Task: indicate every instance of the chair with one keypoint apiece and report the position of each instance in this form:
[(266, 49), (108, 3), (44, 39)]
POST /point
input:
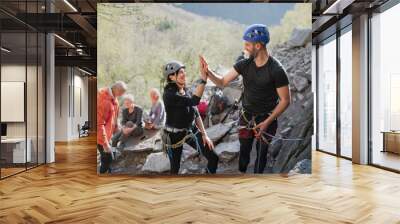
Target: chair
[(84, 130)]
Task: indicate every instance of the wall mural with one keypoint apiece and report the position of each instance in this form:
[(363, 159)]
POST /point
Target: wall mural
[(204, 88)]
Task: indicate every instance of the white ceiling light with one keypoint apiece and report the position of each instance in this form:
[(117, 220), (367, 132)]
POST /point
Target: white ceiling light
[(84, 71), (70, 5), (5, 50), (65, 41)]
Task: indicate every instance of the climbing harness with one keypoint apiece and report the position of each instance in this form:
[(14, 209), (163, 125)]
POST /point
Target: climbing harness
[(250, 125), (168, 147)]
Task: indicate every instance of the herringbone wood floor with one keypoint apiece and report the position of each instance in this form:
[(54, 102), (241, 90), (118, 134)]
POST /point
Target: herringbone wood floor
[(70, 191)]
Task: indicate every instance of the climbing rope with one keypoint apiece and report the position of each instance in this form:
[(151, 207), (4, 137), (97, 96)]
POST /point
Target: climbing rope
[(179, 143), (252, 124), (169, 147)]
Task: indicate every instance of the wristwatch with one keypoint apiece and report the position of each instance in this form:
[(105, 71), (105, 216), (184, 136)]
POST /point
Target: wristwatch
[(202, 81)]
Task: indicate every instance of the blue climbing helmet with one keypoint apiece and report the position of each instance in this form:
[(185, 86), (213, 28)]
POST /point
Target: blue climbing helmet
[(256, 33)]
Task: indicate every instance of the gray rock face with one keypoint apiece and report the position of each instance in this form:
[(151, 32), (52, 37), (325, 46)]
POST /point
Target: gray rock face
[(300, 37), (130, 159), (145, 146), (297, 120), (231, 138), (227, 151), (302, 167), (233, 93), (188, 152), (300, 83), (156, 162), (217, 131)]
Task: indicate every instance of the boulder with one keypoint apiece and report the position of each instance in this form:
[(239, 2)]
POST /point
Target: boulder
[(302, 167), (227, 151), (232, 137), (286, 130), (116, 152), (219, 130), (144, 143), (308, 103), (184, 171), (300, 96), (300, 37), (232, 93), (188, 152), (158, 145), (300, 83), (156, 162), (196, 166)]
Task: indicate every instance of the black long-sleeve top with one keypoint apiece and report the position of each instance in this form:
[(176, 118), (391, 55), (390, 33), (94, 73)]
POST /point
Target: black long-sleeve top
[(181, 110), (135, 116)]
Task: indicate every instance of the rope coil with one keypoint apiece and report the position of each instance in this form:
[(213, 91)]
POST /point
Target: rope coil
[(169, 147)]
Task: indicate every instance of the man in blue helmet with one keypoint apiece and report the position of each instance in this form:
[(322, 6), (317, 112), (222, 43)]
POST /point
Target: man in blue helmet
[(265, 96)]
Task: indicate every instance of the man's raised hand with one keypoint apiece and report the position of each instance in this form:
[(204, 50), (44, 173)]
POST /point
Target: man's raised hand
[(204, 63), (203, 68)]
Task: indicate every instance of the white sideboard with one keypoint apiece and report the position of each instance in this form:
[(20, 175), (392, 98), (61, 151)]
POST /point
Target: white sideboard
[(18, 149)]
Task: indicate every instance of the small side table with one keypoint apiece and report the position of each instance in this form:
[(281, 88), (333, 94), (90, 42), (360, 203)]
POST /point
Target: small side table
[(391, 141)]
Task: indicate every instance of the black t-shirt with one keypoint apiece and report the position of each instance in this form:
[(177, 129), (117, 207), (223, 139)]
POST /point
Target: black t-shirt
[(260, 84), (181, 110)]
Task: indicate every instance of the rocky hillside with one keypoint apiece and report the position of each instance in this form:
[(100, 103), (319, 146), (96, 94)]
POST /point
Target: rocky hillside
[(297, 121), (136, 40)]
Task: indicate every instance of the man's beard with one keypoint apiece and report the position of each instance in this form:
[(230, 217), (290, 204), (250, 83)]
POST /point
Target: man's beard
[(252, 55), (246, 54)]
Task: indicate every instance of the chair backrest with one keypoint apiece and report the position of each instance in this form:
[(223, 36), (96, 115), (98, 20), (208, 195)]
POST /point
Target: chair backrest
[(86, 125)]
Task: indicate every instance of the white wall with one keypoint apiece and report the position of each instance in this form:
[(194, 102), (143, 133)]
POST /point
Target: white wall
[(14, 73), (33, 126), (61, 104), (70, 83), (314, 90), (79, 117)]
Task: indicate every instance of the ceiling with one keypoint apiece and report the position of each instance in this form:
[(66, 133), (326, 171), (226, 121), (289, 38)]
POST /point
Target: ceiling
[(330, 15), (73, 21)]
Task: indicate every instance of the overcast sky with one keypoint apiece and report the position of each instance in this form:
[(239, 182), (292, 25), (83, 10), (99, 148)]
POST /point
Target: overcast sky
[(244, 13)]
